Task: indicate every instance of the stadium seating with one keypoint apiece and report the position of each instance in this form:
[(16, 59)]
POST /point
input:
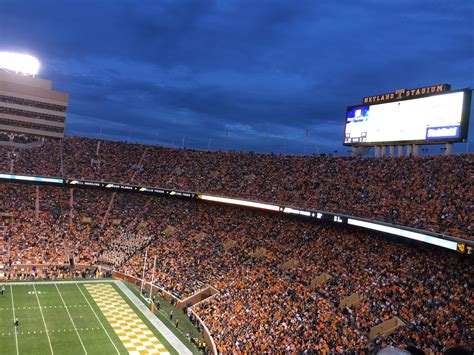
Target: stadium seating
[(429, 193), (261, 306)]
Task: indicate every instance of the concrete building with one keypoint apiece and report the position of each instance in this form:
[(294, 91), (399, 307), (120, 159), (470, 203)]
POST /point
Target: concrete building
[(29, 107)]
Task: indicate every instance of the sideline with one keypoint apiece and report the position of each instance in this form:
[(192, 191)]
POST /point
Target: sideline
[(157, 323)]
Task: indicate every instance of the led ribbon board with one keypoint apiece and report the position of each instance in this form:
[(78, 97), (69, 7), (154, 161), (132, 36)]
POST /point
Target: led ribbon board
[(31, 178), (324, 216), (404, 233), (127, 188), (233, 201)]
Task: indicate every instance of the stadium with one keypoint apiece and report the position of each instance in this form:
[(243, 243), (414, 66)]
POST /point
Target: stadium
[(114, 247)]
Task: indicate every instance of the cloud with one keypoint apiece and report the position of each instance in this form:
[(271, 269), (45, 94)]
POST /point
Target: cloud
[(262, 68)]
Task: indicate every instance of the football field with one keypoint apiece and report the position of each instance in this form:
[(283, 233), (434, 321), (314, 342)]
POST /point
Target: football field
[(76, 318)]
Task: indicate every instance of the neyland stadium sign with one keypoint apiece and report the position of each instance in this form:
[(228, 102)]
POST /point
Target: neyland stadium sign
[(405, 94)]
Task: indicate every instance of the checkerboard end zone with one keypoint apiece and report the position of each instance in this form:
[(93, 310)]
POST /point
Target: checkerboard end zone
[(131, 330)]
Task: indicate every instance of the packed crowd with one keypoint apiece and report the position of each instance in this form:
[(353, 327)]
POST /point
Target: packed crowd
[(49, 234), (431, 193), (261, 305), (43, 225)]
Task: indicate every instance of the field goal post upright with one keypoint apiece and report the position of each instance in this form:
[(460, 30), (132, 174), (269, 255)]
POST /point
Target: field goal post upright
[(152, 280), (397, 124), (143, 274), (143, 282)]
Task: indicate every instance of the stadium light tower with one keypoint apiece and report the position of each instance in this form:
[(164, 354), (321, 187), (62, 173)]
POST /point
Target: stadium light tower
[(19, 63), (30, 106)]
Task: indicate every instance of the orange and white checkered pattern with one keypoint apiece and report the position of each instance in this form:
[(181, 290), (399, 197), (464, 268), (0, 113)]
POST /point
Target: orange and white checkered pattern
[(131, 330)]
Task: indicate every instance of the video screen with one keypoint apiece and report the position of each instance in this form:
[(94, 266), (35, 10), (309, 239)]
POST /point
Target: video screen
[(429, 119)]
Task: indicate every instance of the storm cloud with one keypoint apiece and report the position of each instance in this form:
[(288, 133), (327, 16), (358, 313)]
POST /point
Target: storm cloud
[(244, 75)]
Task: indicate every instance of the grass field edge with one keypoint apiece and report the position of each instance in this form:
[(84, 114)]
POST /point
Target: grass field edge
[(155, 331), (166, 321)]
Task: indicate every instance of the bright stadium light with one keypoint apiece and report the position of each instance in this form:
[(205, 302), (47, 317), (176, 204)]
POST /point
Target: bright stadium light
[(19, 63)]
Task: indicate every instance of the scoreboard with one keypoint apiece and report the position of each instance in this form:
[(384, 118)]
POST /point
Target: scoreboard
[(438, 118)]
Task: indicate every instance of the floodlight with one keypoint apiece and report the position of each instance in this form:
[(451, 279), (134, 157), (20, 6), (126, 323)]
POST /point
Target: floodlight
[(19, 63)]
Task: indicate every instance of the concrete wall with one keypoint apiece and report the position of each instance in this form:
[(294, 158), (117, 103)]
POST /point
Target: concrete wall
[(33, 89)]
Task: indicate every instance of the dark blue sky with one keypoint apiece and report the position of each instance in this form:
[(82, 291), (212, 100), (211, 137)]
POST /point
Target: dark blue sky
[(263, 71)]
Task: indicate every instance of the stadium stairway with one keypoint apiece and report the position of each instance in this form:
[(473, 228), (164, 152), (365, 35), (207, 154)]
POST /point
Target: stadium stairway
[(3, 243)]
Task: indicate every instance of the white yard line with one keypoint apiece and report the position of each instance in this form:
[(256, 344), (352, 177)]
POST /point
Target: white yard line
[(73, 324), (44, 321), (106, 332), (157, 323), (14, 283), (14, 317)]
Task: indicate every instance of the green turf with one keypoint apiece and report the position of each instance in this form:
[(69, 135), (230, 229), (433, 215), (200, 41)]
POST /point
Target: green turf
[(185, 325), (74, 322)]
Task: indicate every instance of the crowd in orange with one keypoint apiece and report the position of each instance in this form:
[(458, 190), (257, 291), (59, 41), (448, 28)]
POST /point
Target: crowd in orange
[(256, 294), (49, 234), (431, 193), (261, 306)]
